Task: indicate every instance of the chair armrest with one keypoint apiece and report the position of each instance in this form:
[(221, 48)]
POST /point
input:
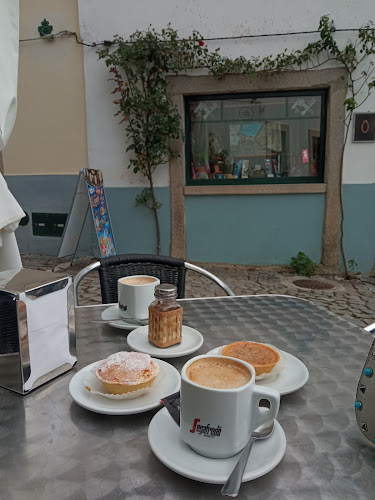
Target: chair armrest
[(79, 277), (370, 328), (211, 276)]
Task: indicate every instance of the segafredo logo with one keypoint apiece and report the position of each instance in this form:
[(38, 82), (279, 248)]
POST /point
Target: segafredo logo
[(205, 430)]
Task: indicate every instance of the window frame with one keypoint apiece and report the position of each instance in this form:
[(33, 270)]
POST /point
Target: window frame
[(319, 179)]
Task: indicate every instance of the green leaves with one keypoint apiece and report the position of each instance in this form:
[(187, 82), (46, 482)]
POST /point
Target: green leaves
[(139, 67), (145, 199), (302, 264), (350, 104)]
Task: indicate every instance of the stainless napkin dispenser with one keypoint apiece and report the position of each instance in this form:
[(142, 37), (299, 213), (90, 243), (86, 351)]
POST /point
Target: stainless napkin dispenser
[(37, 328)]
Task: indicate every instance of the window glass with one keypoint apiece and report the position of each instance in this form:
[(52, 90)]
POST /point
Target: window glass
[(259, 138)]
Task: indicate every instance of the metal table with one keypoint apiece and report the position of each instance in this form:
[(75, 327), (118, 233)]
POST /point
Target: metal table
[(51, 448)]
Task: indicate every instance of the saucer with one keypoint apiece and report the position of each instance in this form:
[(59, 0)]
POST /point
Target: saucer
[(118, 322), (292, 377), (166, 443), (191, 342), (168, 385)]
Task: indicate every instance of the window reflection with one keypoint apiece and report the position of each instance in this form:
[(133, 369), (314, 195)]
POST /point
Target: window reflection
[(271, 138)]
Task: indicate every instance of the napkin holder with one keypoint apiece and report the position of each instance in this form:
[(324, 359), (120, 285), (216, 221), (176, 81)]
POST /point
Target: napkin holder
[(37, 328)]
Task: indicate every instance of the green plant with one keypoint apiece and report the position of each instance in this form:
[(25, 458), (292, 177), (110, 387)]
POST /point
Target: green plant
[(302, 264), (139, 67), (352, 264)]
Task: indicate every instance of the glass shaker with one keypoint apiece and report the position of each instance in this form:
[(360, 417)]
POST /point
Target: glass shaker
[(165, 317)]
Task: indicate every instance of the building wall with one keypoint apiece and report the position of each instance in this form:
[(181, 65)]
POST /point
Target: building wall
[(228, 228), (49, 137), (57, 145), (48, 145), (212, 18)]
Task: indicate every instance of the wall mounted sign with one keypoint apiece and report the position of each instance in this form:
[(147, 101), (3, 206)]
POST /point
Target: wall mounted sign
[(89, 193), (45, 28), (364, 127)]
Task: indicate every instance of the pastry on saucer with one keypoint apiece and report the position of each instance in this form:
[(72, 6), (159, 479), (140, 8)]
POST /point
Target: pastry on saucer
[(125, 372), (262, 357)]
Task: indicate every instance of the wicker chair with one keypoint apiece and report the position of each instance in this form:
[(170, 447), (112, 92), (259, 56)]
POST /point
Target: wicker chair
[(167, 269)]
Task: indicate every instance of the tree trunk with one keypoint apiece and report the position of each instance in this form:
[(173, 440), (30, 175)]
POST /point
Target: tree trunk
[(341, 200), (155, 213)]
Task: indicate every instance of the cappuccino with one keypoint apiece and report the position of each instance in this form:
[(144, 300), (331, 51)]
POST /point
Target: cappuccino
[(139, 280), (135, 294), (218, 373)]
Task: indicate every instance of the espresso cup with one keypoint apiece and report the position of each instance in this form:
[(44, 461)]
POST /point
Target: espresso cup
[(135, 294), (220, 405)]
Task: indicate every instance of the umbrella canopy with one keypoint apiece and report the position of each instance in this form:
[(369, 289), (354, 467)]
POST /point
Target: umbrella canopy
[(10, 211), (9, 14)]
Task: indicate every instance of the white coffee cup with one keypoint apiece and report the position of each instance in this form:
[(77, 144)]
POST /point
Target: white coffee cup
[(135, 294), (217, 422)]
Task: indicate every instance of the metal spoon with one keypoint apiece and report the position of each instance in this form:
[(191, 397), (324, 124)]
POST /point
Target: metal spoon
[(233, 484), (133, 321)]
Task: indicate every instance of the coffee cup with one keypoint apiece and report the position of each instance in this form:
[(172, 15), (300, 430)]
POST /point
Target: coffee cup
[(135, 294), (220, 405)]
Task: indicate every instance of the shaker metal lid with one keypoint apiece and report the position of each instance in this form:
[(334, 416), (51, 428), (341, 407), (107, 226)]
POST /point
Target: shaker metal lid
[(165, 289)]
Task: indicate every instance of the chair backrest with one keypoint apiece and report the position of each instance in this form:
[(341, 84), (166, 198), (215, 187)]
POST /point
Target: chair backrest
[(167, 269)]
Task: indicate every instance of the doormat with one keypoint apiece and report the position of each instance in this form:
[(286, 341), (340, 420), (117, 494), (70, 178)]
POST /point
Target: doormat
[(313, 284)]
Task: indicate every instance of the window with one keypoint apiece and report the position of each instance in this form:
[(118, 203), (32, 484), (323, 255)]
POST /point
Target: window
[(258, 138)]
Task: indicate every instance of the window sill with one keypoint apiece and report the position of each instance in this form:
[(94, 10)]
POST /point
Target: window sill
[(255, 189)]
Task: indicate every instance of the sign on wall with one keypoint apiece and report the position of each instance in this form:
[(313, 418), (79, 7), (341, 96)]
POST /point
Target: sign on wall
[(89, 194), (364, 127)]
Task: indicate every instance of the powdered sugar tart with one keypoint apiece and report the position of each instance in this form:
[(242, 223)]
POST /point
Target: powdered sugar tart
[(127, 372), (87, 391)]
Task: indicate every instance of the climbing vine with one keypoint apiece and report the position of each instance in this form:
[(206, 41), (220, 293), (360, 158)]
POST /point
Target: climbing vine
[(140, 65)]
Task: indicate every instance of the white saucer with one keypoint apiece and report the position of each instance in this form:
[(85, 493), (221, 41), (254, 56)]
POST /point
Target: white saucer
[(191, 342), (166, 443), (119, 322), (170, 384), (292, 377)]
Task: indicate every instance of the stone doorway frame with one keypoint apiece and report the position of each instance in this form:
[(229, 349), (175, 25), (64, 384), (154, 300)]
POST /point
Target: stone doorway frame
[(334, 80)]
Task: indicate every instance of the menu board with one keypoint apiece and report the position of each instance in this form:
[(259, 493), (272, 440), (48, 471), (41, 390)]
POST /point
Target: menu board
[(94, 180), (89, 193)]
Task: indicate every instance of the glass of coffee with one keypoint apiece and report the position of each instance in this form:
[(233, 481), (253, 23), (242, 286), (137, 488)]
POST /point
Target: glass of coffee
[(220, 405), (135, 294)]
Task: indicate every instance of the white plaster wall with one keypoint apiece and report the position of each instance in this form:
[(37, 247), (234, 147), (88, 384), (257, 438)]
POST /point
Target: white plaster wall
[(102, 19)]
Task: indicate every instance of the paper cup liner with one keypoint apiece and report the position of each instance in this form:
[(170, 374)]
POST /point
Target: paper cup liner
[(281, 365), (94, 386)]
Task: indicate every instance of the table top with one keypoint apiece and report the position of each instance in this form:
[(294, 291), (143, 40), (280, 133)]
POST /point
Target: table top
[(52, 448)]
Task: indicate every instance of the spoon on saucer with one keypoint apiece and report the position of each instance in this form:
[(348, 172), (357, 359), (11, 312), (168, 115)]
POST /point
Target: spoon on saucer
[(134, 321), (233, 484)]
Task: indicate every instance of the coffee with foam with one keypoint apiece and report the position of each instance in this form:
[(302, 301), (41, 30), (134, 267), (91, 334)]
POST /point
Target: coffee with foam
[(138, 280), (218, 373)]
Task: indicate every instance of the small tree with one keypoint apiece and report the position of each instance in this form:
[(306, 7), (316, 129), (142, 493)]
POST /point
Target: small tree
[(139, 67)]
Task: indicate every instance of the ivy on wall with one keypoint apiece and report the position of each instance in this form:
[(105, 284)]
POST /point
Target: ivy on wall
[(139, 67)]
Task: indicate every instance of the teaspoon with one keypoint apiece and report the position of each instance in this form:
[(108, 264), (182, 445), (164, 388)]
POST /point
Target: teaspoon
[(233, 484)]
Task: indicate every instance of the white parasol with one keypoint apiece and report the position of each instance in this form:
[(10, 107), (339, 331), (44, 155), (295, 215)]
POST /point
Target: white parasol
[(10, 211)]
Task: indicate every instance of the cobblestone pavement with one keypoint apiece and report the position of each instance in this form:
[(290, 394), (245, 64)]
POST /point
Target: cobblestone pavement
[(353, 299)]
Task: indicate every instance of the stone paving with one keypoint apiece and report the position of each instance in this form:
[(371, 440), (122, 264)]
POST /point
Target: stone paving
[(353, 299)]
